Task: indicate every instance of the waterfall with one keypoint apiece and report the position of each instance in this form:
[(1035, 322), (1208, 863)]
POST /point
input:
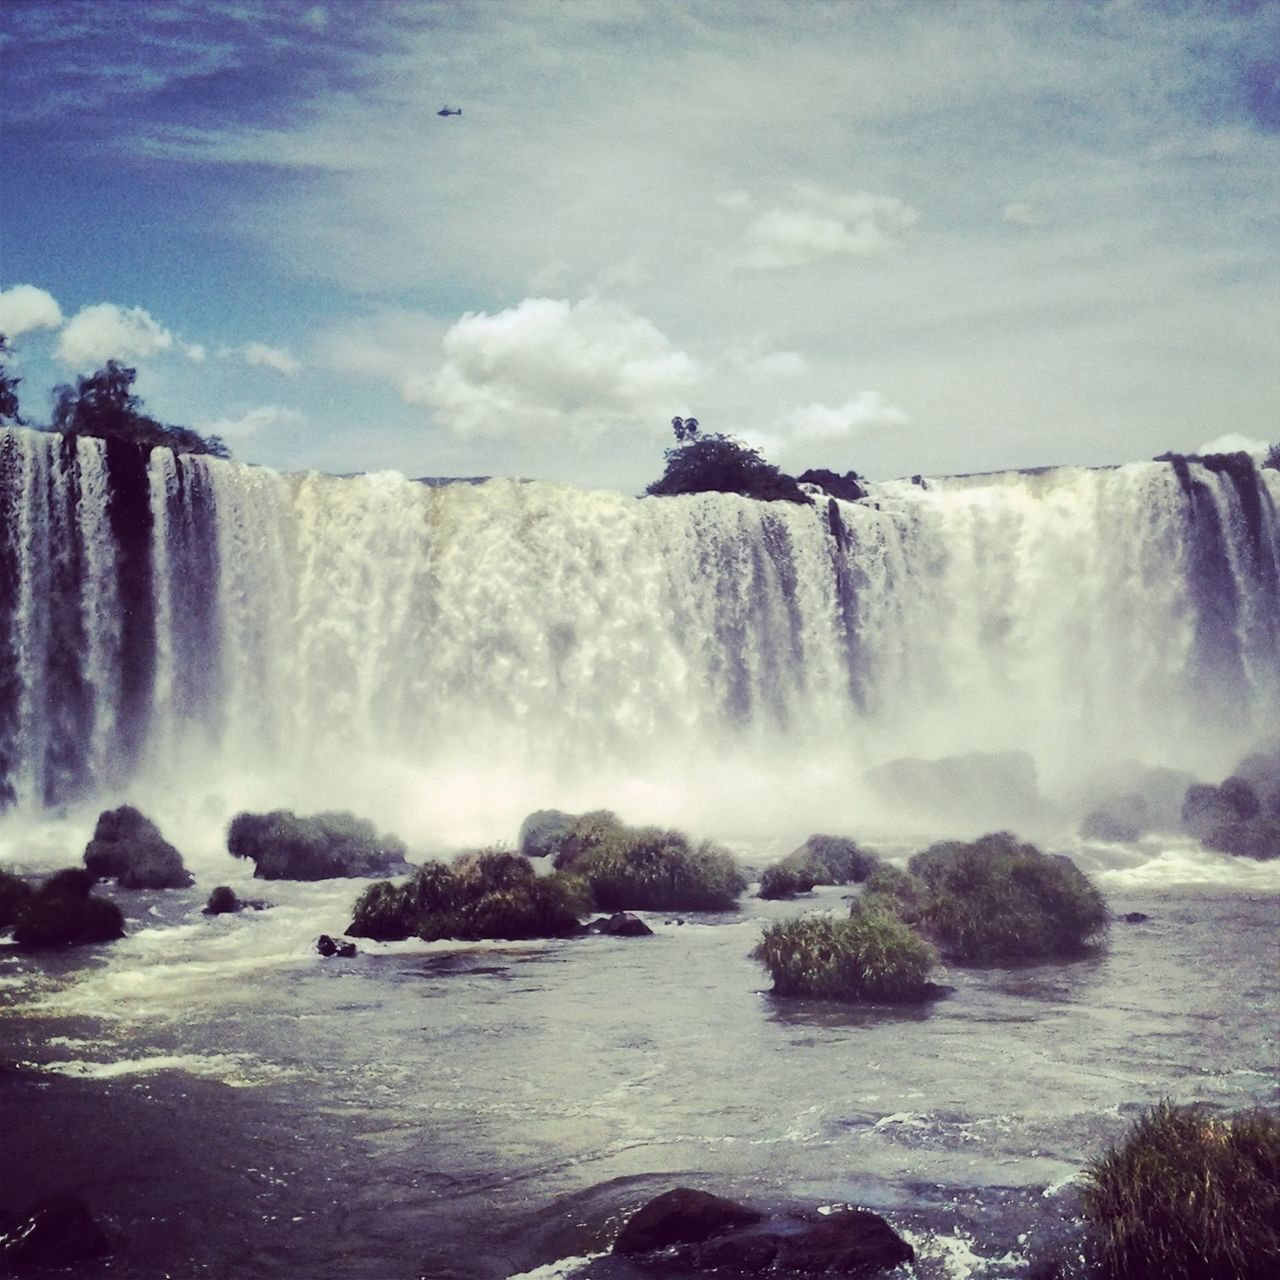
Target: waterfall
[(188, 622)]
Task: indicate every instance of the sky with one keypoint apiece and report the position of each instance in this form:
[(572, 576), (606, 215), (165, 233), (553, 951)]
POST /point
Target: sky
[(922, 236)]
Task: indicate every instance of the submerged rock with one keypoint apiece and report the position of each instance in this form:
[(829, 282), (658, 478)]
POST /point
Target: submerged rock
[(224, 900), (127, 847), (703, 1232), (1135, 917), (63, 913), (340, 947), (55, 1232), (622, 924), (678, 1216)]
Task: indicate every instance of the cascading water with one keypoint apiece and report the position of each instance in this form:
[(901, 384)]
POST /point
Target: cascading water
[(466, 652)]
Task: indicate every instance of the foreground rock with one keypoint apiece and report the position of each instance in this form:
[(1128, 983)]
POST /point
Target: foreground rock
[(56, 1232), (708, 1233), (63, 913), (127, 847), (284, 846)]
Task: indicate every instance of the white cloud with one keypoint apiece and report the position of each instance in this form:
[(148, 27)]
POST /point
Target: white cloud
[(818, 224), (259, 353), (1024, 214), (1234, 442), (107, 332), (24, 307), (268, 417), (867, 412), (547, 365)]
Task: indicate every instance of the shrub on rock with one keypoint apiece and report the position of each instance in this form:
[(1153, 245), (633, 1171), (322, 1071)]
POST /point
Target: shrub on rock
[(1190, 1195), (647, 868), (1240, 816), (15, 893), (781, 881), (870, 955), (542, 832), (832, 860), (63, 913), (898, 892), (996, 901), (127, 847), (286, 847), (488, 894), (586, 832)]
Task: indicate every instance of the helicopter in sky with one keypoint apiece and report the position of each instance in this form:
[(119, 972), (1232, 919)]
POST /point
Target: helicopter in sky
[(449, 111)]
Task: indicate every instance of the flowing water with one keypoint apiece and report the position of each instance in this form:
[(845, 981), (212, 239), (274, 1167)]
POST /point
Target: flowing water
[(197, 636)]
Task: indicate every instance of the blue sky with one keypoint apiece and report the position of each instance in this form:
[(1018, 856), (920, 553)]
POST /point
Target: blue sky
[(897, 237)]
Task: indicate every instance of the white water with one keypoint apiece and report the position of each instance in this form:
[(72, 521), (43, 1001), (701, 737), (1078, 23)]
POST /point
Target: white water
[(445, 659)]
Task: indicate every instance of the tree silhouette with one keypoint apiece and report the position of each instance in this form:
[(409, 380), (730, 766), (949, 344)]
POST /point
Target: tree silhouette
[(103, 404), (8, 388)]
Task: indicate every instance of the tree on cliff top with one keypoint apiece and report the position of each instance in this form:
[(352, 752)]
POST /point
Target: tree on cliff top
[(103, 404), (1272, 459), (8, 388), (718, 463)]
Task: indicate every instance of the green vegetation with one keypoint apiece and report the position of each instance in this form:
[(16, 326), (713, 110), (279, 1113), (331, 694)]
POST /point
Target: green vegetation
[(542, 832), (586, 831), (1188, 1195), (647, 868), (781, 881), (997, 901), (1272, 460), (127, 847), (286, 847), (820, 860), (720, 464), (103, 404), (898, 892), (868, 956), (8, 388), (486, 894)]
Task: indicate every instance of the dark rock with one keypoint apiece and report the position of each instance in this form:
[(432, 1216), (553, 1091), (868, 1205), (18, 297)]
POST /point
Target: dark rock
[(62, 913), (339, 947), (15, 893), (847, 487), (542, 832), (853, 1242), (1206, 808), (221, 900), (284, 846), (1135, 917), (622, 924), (680, 1216), (56, 1232), (128, 847)]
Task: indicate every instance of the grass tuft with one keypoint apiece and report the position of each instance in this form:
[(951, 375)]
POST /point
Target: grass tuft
[(1188, 1195)]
